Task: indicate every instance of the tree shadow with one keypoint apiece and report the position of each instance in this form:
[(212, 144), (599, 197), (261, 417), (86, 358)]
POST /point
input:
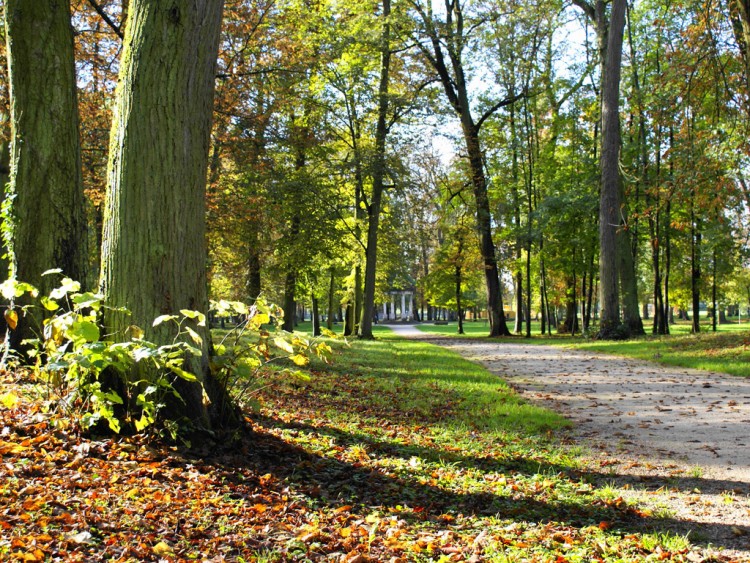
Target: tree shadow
[(333, 483)]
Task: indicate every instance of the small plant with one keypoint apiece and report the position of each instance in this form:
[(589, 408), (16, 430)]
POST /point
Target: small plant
[(258, 341), (129, 380)]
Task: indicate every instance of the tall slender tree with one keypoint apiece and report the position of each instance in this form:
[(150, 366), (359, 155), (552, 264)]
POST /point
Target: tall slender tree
[(443, 44), (378, 176)]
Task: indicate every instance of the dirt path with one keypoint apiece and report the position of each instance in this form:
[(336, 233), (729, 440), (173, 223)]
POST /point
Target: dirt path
[(684, 432)]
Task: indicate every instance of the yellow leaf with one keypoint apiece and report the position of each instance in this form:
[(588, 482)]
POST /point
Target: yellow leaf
[(300, 359), (11, 448), (10, 400), (136, 332), (162, 548), (283, 344), (11, 317)]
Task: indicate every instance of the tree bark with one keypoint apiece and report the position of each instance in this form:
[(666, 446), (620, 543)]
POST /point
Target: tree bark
[(49, 218), (378, 175), (331, 294), (446, 42), (154, 250), (609, 201)]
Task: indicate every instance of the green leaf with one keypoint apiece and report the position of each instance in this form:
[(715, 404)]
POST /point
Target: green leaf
[(163, 318), (200, 318), (67, 285), (49, 304), (84, 330), (142, 353), (87, 299), (186, 375), (52, 271), (143, 422)]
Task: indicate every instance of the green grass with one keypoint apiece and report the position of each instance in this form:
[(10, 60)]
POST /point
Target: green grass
[(454, 454)]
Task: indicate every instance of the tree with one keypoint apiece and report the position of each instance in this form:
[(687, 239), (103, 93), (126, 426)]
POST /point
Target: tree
[(49, 220), (154, 250), (443, 44), (378, 176)]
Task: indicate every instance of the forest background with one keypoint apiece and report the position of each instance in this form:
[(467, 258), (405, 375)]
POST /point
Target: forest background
[(299, 169)]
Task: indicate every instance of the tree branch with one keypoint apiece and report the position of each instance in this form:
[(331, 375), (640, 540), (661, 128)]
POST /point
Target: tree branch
[(99, 10), (502, 103), (587, 8)]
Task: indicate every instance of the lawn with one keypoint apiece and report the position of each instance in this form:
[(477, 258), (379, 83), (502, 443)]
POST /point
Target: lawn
[(398, 451)]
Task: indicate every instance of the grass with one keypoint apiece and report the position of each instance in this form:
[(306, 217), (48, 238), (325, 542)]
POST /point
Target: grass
[(446, 433), (399, 451)]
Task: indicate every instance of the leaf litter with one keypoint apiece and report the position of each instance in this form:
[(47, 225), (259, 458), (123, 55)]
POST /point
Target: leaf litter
[(334, 470)]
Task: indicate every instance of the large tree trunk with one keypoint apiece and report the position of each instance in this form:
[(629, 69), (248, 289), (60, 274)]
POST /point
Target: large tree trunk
[(154, 252), (378, 174), (631, 314), (49, 218), (609, 201), (4, 262)]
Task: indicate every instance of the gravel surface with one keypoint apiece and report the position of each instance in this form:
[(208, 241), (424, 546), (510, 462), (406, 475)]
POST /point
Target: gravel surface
[(678, 439)]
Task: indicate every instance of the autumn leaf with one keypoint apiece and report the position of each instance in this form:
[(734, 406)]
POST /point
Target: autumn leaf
[(162, 549), (11, 317), (9, 400)]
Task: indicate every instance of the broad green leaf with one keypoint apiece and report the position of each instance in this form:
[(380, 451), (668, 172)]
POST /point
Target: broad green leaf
[(186, 375), (113, 397), (200, 318), (114, 424), (240, 308), (66, 286), (84, 330), (143, 422), (49, 304), (142, 353), (164, 318), (88, 299)]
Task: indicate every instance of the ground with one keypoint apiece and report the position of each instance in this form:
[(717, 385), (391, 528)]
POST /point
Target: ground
[(400, 451), (651, 425)]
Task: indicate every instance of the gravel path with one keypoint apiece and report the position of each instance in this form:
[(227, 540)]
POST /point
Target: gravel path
[(657, 426)]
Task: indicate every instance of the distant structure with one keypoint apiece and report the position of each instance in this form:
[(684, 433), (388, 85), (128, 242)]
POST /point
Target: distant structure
[(405, 312)]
